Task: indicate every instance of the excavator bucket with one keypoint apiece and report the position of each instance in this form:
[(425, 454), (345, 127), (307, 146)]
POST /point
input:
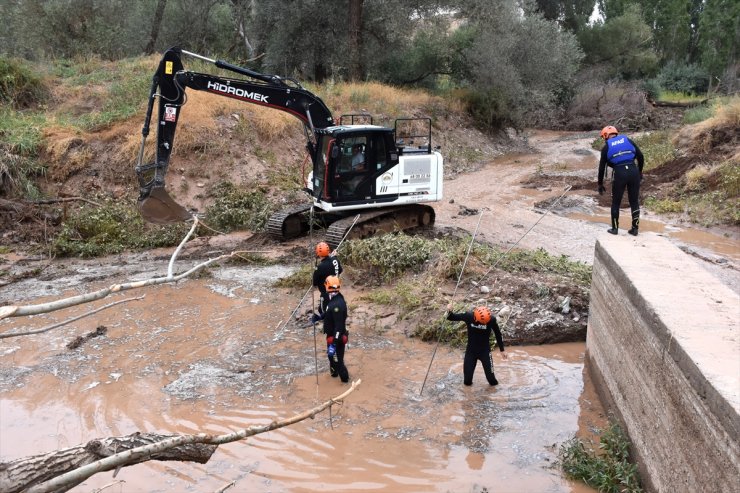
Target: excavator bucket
[(159, 208)]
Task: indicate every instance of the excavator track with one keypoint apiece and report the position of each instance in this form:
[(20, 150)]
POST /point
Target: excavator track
[(380, 221), (289, 223)]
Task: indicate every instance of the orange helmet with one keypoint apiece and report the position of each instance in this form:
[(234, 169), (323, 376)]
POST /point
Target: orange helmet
[(332, 284), (482, 315), (323, 249), (607, 131)]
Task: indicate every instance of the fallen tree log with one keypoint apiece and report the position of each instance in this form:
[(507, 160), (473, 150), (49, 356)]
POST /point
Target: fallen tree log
[(17, 475), (62, 470)]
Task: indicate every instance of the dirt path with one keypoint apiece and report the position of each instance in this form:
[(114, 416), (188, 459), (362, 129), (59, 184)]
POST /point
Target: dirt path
[(214, 354)]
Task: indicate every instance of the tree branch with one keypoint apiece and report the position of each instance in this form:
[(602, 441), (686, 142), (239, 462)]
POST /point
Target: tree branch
[(143, 453), (19, 311), (74, 319)]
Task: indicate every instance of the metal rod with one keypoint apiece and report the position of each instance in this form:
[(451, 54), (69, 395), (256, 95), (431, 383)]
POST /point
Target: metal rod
[(195, 55), (439, 337)]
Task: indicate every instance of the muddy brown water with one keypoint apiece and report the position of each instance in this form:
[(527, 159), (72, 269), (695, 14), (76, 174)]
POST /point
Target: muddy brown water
[(214, 355)]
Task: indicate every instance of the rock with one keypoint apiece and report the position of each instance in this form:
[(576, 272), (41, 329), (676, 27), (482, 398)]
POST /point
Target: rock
[(485, 289), (565, 305)]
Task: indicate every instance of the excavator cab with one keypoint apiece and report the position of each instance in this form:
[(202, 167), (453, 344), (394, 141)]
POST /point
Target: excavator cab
[(349, 163)]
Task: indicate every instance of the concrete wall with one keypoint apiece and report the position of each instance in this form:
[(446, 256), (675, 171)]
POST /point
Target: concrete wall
[(663, 347)]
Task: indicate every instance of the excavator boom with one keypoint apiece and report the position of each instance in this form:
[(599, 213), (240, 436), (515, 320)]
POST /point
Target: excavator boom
[(169, 85)]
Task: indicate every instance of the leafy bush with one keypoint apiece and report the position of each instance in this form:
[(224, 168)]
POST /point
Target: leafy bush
[(115, 227), (236, 208), (386, 256), (657, 148), (490, 109), (19, 87), (690, 78), (652, 89), (609, 471)]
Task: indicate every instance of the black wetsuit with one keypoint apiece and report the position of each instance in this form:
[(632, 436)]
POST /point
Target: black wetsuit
[(620, 153), (335, 328), (329, 266), (479, 346)]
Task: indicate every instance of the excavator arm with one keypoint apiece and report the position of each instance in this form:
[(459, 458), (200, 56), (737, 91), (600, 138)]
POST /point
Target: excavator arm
[(169, 85)]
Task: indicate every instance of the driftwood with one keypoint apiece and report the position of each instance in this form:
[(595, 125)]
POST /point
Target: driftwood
[(676, 104), (19, 310), (21, 473), (62, 470)]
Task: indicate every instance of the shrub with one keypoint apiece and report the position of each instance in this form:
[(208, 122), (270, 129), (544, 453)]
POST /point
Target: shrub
[(657, 147), (607, 471), (236, 208), (117, 226), (690, 78), (652, 89), (490, 109), (386, 256), (19, 87)]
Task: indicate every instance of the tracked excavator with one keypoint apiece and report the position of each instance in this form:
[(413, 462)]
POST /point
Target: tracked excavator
[(386, 175)]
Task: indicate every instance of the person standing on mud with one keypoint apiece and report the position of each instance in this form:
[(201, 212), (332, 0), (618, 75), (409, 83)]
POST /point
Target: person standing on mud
[(480, 323), (620, 153), (335, 328), (328, 265)]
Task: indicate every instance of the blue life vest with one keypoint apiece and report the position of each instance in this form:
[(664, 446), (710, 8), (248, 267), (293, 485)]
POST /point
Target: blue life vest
[(620, 150)]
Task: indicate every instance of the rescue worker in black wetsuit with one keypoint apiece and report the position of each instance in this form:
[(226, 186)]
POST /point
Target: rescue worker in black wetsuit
[(335, 328), (329, 265), (480, 323), (620, 153)]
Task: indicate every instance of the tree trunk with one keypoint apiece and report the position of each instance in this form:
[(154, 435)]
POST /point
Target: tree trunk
[(22, 473), (356, 70), (158, 14)]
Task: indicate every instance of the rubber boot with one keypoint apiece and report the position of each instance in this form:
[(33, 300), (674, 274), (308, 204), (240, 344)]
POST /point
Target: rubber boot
[(635, 223), (615, 226)]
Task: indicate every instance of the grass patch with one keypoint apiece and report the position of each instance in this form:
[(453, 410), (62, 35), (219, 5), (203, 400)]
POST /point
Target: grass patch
[(664, 206), (408, 295), (657, 148), (20, 87), (301, 278), (697, 114), (680, 97), (236, 208), (609, 469), (20, 143), (116, 91), (113, 228)]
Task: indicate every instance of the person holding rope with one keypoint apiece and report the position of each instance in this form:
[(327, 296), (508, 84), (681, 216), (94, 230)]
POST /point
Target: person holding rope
[(335, 328), (328, 265), (623, 155), (480, 323)]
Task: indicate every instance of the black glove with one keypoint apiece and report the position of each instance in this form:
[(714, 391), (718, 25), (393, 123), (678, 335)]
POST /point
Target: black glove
[(601, 189), (315, 317)]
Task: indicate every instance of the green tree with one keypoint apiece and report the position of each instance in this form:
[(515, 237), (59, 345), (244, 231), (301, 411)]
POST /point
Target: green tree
[(719, 35), (507, 60), (622, 44)]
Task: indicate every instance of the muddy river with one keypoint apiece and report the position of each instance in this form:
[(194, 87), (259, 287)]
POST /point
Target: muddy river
[(215, 355)]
